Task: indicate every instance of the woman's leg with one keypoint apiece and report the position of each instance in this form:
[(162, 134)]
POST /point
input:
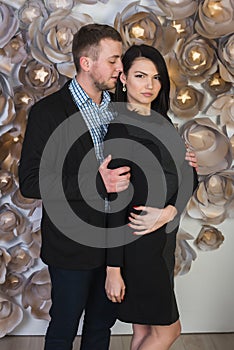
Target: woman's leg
[(161, 337), (139, 334)]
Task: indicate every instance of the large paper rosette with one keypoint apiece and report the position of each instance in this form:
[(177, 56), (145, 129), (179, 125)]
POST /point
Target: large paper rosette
[(212, 198), (215, 18), (212, 147), (184, 253), (209, 238), (11, 315), (36, 294)]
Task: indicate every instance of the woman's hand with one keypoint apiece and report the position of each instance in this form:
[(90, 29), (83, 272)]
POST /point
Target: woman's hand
[(152, 220), (114, 286), (192, 159)]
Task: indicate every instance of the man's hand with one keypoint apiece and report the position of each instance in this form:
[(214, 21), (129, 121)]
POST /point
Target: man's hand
[(152, 220), (115, 180), (115, 287)]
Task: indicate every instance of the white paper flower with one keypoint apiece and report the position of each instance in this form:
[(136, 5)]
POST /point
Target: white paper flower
[(36, 294), (5, 258), (211, 145), (184, 253), (209, 238), (178, 9), (14, 284), (196, 57), (215, 18), (212, 198), (9, 24), (21, 260), (226, 58), (11, 315), (51, 39)]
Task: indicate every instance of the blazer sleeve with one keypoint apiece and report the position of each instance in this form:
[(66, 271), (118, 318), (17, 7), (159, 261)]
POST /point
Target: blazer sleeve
[(41, 124)]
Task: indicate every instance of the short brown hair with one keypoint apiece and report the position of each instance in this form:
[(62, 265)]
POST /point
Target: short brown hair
[(87, 39)]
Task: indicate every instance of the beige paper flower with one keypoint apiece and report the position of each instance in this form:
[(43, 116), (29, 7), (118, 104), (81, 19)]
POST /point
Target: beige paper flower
[(12, 223), (36, 294), (9, 24), (140, 25), (23, 98), (184, 27), (7, 110), (224, 107), (187, 102), (39, 78), (11, 315), (11, 145), (30, 11), (15, 50), (5, 258), (212, 147), (215, 18), (215, 85), (209, 238), (53, 5), (21, 260), (196, 57), (184, 253), (51, 39), (33, 242), (13, 284), (212, 198), (7, 183), (25, 203), (226, 58), (177, 9)]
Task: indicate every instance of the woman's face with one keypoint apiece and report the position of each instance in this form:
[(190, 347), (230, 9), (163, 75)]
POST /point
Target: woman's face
[(142, 82)]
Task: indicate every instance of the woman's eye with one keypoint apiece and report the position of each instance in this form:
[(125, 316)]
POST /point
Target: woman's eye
[(157, 77), (139, 76)]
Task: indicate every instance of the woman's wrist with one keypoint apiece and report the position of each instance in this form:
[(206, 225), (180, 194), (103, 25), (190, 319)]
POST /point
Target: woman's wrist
[(171, 212)]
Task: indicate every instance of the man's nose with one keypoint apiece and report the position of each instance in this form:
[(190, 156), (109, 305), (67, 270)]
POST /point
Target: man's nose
[(119, 66)]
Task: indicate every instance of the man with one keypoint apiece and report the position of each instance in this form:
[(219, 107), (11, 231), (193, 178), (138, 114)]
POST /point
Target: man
[(77, 271)]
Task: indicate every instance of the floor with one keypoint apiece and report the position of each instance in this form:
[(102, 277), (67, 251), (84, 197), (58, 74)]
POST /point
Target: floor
[(217, 341)]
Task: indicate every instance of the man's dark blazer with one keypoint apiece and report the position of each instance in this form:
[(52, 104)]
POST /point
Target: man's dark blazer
[(45, 116)]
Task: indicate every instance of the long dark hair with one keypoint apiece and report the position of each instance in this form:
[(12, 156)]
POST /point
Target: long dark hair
[(161, 103)]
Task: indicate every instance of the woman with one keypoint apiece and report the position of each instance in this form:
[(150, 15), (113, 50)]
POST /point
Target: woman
[(140, 274)]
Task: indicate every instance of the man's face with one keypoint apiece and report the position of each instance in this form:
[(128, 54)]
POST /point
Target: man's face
[(105, 70)]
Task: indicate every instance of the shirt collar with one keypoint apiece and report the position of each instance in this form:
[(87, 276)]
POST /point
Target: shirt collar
[(82, 97)]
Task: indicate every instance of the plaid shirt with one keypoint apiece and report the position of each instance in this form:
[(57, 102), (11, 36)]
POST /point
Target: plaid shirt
[(96, 117)]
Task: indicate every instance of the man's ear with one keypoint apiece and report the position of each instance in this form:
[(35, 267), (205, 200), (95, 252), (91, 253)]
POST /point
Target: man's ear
[(85, 63), (123, 78)]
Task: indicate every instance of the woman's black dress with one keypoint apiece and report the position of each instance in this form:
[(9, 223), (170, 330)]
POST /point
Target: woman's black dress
[(147, 264)]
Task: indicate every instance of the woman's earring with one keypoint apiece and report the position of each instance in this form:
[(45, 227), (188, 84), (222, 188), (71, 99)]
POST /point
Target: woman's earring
[(124, 88)]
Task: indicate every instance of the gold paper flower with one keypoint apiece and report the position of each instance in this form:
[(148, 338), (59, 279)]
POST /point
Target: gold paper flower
[(7, 110), (11, 145), (30, 11), (36, 294), (140, 25), (187, 102), (226, 58), (184, 253), (209, 238), (177, 9), (12, 223), (51, 39), (53, 5), (33, 242), (9, 24), (15, 50), (184, 27), (212, 198), (13, 284), (215, 18), (25, 203), (212, 147), (5, 258), (21, 260), (39, 78), (224, 107), (11, 315), (7, 183), (196, 57), (215, 85)]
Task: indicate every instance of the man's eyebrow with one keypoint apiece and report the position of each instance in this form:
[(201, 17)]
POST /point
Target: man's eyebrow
[(115, 56)]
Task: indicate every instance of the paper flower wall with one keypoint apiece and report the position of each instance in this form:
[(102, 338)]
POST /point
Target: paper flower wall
[(197, 41)]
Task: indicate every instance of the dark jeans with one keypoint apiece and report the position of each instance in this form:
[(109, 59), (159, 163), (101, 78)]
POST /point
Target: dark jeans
[(72, 292)]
